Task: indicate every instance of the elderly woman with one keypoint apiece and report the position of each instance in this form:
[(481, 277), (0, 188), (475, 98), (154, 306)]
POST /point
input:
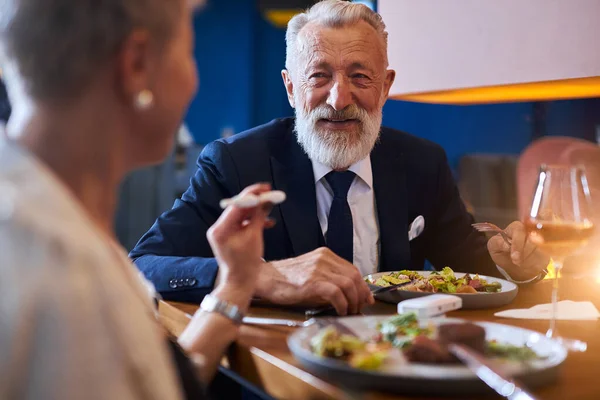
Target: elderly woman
[(98, 88)]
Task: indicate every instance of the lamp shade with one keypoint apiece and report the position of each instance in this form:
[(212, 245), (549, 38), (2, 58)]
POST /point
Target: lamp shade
[(487, 51), (279, 12)]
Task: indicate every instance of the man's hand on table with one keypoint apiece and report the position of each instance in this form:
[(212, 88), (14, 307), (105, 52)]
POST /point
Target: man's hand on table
[(312, 279), (523, 260)]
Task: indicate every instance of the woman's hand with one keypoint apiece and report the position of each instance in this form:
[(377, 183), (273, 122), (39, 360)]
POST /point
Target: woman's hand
[(237, 241)]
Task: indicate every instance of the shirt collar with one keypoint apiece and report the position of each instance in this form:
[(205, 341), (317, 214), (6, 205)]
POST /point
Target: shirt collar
[(361, 168)]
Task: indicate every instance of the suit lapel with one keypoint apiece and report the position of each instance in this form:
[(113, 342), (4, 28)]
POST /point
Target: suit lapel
[(389, 182), (293, 173)]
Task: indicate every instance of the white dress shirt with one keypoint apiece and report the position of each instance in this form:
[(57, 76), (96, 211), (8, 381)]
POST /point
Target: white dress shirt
[(361, 199)]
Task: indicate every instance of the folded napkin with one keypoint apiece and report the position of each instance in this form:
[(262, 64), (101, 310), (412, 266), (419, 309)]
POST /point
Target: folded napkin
[(567, 310)]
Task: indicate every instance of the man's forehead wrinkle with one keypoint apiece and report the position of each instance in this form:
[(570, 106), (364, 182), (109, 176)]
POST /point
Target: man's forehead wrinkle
[(308, 38), (358, 48), (312, 60)]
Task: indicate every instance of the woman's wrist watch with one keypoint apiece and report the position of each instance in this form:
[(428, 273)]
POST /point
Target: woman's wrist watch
[(212, 304)]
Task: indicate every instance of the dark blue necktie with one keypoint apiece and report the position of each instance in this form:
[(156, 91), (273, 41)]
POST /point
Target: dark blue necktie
[(340, 230)]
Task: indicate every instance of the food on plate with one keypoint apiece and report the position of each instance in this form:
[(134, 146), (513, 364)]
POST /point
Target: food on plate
[(419, 341), (428, 344), (435, 351), (428, 351), (401, 329), (510, 352), (329, 342), (444, 281), (468, 334)]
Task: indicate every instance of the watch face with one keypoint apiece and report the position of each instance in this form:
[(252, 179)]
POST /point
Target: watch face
[(212, 304)]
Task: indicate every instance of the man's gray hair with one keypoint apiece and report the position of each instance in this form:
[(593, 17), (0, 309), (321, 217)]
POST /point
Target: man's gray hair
[(58, 45), (332, 14)]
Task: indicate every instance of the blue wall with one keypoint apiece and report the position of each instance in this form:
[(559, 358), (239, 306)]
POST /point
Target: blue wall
[(499, 128), (240, 57), (225, 56)]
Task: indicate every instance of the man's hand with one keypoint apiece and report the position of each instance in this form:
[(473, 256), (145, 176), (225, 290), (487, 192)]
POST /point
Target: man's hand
[(522, 260), (316, 278)]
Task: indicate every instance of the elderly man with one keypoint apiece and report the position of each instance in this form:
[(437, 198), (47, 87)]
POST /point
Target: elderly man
[(353, 187)]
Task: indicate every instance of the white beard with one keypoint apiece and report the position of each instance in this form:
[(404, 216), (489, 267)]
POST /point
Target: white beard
[(335, 148)]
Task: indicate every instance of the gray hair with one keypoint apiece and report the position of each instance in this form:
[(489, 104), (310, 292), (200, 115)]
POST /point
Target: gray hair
[(333, 14), (56, 46)]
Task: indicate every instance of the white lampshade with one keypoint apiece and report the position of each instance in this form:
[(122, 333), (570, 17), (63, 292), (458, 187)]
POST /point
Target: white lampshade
[(485, 51)]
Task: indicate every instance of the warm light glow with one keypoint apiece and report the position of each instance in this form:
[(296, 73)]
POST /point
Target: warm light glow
[(534, 91), (551, 272), (280, 18)]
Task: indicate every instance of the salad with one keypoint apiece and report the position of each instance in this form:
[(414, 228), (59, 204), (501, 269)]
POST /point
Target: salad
[(400, 330), (418, 341), (444, 281), (328, 342), (427, 343)]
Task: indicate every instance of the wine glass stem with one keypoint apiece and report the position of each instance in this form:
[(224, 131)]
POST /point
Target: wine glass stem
[(552, 332)]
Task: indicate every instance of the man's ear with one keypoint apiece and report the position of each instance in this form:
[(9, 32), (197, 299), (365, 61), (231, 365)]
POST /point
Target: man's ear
[(289, 86), (390, 75)]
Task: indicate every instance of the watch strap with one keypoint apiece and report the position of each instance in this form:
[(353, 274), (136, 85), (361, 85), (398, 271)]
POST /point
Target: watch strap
[(212, 304)]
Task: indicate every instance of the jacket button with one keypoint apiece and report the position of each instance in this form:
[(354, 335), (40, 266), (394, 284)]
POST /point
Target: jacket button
[(173, 284), (180, 282), (193, 281)]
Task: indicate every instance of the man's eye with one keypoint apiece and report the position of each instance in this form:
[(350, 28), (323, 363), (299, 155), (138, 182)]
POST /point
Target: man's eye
[(318, 75), (360, 76)]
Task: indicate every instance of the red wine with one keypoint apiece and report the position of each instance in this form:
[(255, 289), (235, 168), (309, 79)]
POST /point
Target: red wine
[(559, 239)]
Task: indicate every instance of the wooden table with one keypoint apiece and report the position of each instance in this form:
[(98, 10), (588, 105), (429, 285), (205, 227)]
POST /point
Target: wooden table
[(261, 354)]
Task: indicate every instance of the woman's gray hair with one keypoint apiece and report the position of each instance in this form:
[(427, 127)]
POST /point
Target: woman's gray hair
[(332, 14), (56, 46)]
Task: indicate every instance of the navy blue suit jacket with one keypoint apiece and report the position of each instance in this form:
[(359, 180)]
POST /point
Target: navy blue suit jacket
[(411, 177)]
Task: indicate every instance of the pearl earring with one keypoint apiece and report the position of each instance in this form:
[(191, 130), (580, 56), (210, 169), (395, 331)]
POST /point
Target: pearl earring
[(144, 100)]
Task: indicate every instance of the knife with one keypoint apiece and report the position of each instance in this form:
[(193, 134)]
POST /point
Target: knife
[(488, 373), (320, 322), (384, 289)]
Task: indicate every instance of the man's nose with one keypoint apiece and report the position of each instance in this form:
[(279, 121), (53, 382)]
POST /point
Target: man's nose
[(340, 95)]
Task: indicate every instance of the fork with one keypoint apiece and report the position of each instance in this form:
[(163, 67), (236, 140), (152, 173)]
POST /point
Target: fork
[(489, 227)]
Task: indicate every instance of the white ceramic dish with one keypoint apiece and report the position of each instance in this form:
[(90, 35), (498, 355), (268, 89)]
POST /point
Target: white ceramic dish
[(400, 376), (469, 301)]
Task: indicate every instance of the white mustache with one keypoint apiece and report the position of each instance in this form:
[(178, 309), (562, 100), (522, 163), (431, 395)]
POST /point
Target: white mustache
[(350, 112), (337, 150)]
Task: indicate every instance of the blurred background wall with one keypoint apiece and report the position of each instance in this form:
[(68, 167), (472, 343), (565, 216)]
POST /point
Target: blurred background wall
[(240, 55)]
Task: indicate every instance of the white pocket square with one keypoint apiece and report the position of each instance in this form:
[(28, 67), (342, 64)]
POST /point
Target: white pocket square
[(416, 228)]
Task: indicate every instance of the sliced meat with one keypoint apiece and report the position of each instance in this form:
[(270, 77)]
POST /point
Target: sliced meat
[(476, 284), (468, 334), (428, 351)]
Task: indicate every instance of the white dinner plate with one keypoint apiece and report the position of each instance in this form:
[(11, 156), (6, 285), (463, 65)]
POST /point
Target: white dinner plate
[(469, 301), (401, 376)]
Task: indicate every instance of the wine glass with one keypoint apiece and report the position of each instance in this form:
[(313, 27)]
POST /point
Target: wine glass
[(560, 220)]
